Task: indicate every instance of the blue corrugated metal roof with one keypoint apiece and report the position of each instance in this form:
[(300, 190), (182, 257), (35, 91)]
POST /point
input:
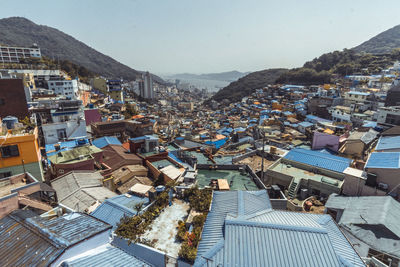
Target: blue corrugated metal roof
[(318, 159), (106, 256), (105, 141), (305, 124), (113, 209), (217, 144), (384, 160), (388, 142), (281, 238), (230, 202)]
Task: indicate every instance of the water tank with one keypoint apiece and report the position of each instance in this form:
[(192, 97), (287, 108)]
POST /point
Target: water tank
[(81, 142), (9, 121), (160, 189)]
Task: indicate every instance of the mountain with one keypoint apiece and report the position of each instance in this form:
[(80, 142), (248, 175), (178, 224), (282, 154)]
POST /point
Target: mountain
[(384, 42), (18, 31), (246, 85)]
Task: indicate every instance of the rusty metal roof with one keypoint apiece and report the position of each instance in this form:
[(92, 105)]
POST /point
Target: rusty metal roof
[(37, 241)]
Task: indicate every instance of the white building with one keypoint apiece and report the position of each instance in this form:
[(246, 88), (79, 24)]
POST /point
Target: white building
[(340, 113), (61, 120), (146, 86), (390, 115), (10, 54), (67, 88), (355, 96)]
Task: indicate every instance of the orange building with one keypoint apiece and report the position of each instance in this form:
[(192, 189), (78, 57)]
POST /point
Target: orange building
[(20, 153)]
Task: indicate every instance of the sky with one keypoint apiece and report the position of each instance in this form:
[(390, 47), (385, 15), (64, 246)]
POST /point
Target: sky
[(208, 36)]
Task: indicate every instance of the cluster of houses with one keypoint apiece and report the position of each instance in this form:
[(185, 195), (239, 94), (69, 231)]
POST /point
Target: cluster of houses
[(300, 175)]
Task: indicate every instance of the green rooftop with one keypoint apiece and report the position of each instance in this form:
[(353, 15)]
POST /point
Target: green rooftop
[(74, 155), (236, 180)]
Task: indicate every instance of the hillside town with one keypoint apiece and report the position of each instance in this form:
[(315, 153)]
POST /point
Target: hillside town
[(104, 171)]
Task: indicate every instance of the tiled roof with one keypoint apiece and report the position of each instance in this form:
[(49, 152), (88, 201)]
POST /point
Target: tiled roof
[(318, 159)]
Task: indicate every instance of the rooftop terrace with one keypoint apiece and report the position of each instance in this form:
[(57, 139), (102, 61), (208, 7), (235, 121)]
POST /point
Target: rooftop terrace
[(236, 180), (304, 174)]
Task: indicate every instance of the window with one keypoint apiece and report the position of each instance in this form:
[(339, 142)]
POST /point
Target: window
[(2, 102), (5, 174), (9, 151)]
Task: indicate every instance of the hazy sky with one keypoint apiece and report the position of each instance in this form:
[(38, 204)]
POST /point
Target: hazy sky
[(203, 36)]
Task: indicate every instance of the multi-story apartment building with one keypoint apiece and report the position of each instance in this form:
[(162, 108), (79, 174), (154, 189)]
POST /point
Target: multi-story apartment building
[(9, 54), (60, 120), (19, 153), (114, 89), (146, 89), (67, 88)]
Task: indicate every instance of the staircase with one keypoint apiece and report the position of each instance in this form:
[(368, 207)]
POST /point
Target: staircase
[(293, 188)]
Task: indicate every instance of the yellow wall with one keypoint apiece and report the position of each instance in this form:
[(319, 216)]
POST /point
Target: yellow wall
[(100, 84), (27, 146), (116, 95), (27, 79)]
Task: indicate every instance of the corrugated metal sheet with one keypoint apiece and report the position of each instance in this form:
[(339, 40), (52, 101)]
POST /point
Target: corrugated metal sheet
[(273, 238), (250, 244), (107, 256), (105, 141), (38, 241), (68, 229), (388, 142), (317, 159), (112, 210), (230, 202), (20, 246), (384, 160)]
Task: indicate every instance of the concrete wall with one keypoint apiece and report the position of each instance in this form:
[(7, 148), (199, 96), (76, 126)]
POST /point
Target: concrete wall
[(61, 169), (27, 189), (273, 177), (73, 130), (323, 140), (387, 176), (8, 204), (255, 178), (243, 156), (325, 189), (355, 186), (279, 204), (34, 168), (148, 254)]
